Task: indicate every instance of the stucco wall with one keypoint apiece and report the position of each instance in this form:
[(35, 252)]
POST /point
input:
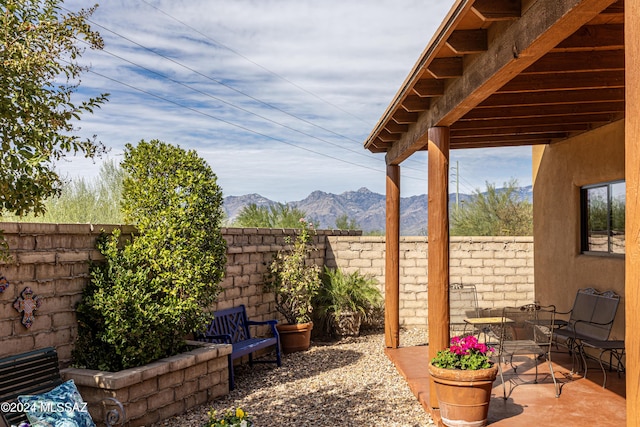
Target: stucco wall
[(560, 170)]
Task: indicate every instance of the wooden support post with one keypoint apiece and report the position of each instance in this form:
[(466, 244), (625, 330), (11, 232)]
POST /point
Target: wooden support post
[(392, 260), (438, 246), (632, 232)]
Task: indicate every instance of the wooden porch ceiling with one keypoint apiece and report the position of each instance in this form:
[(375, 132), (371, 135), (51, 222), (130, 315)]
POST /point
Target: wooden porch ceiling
[(511, 72)]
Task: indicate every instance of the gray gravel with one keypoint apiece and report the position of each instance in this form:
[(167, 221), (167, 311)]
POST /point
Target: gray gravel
[(343, 383)]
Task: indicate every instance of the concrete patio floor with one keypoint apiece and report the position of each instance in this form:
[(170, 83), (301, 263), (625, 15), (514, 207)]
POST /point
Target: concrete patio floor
[(582, 400)]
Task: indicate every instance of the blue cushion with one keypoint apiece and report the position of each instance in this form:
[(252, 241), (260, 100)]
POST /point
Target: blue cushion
[(61, 407)]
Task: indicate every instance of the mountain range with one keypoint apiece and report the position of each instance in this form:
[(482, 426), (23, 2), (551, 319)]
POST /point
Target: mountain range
[(364, 206)]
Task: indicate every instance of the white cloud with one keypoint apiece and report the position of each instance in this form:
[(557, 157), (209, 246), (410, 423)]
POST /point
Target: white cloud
[(205, 91)]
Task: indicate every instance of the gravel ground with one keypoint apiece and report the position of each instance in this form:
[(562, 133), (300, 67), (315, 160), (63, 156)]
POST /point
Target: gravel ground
[(343, 383)]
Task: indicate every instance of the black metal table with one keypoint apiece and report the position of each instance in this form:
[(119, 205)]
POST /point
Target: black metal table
[(615, 348)]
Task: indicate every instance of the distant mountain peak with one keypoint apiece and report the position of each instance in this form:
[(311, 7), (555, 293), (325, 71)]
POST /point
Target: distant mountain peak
[(364, 206)]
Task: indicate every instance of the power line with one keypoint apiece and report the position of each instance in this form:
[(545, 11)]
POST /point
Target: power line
[(231, 104), (273, 73), (246, 129), (360, 153)]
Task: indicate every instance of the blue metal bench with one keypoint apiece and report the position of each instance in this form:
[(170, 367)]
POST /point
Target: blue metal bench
[(231, 326)]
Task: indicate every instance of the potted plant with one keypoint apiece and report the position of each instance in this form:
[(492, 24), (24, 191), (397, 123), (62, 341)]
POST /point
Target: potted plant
[(345, 299), (295, 281), (463, 376)]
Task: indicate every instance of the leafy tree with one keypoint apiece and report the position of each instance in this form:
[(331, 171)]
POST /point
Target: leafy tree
[(343, 222), (151, 293), (39, 74), (278, 215), (83, 201), (494, 213)]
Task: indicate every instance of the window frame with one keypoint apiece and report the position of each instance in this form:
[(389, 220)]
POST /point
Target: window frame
[(584, 223)]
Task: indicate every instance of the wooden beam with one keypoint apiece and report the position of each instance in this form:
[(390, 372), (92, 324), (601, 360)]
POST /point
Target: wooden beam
[(515, 143), (415, 103), (497, 10), (385, 136), (459, 134), (393, 127), (553, 97), (535, 121), (403, 117), (392, 260), (496, 140), (549, 110), (557, 62), (429, 87), (463, 42), (592, 37), (445, 68), (632, 177), (545, 24), (564, 81), (438, 246)]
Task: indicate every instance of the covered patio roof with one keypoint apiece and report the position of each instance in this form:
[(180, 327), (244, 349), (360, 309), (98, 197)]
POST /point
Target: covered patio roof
[(510, 72), (501, 73)]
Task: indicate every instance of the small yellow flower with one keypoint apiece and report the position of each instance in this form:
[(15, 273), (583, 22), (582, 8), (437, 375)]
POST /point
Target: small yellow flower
[(239, 413)]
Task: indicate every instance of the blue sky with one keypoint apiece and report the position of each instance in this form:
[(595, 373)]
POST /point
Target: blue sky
[(277, 95)]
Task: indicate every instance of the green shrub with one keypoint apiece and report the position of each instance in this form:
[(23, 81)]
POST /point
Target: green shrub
[(293, 279), (154, 288), (345, 292)]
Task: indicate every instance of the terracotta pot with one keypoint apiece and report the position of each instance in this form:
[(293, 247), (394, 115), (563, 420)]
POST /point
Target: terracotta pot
[(295, 337), (463, 396)]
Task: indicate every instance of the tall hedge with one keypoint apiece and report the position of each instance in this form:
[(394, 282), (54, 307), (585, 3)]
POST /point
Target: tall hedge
[(154, 288)]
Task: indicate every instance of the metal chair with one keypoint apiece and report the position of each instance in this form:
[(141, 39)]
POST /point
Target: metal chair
[(590, 319), (463, 303), (526, 331)]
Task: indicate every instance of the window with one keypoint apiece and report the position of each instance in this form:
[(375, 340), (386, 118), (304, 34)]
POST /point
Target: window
[(603, 208)]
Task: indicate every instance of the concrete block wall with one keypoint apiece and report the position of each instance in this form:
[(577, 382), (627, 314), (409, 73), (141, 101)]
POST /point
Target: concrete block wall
[(501, 268), (53, 260)]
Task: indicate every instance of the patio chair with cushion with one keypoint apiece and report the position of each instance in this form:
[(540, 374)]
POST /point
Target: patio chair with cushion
[(526, 337)]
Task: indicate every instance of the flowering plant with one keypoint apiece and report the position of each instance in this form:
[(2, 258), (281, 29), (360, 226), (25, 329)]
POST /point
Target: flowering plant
[(230, 418), (465, 353)]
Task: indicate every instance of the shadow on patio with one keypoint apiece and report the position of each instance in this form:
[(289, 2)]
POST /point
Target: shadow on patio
[(582, 400)]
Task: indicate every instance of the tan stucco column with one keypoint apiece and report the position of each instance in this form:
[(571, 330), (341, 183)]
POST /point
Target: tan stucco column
[(392, 260), (632, 229), (438, 246)]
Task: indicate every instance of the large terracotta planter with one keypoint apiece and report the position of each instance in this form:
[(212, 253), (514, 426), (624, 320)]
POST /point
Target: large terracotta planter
[(463, 396), (295, 337)]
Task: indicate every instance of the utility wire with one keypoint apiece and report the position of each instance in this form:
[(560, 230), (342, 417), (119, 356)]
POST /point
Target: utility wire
[(273, 73), (270, 72), (359, 153), (246, 129), (228, 103)]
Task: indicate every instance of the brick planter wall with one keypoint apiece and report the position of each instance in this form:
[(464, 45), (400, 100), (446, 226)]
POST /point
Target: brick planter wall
[(161, 389)]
